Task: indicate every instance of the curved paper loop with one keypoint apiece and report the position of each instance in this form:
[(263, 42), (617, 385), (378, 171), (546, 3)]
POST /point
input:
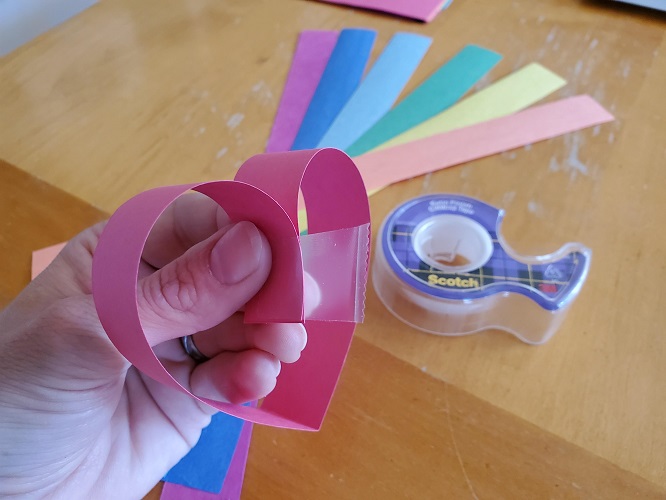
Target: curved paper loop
[(265, 192), (331, 184)]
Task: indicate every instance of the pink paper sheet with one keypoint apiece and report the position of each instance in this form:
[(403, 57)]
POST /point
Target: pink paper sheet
[(312, 53), (423, 10), (538, 123), (265, 192), (43, 257)]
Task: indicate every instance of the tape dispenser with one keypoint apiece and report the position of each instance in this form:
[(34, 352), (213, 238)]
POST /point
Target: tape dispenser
[(442, 266)]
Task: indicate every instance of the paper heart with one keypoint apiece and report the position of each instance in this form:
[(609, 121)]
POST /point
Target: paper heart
[(335, 252)]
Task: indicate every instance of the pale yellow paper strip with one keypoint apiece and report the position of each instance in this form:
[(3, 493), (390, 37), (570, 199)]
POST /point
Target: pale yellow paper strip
[(512, 93), (302, 220)]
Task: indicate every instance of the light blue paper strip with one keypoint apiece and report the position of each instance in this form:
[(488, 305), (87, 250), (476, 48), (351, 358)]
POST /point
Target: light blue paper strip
[(440, 91), (340, 79), (378, 91)]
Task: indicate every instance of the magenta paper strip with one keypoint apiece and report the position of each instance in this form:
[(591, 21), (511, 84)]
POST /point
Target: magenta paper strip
[(386, 166), (265, 192), (313, 50), (233, 483), (423, 10)]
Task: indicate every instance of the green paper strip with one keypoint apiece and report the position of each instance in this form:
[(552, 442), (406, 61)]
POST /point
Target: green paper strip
[(511, 94), (440, 91)]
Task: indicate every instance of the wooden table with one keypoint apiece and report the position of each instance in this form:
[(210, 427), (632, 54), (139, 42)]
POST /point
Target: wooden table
[(131, 95), (392, 430)]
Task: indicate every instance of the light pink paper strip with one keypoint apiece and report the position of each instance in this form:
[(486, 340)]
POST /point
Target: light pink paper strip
[(423, 10), (312, 53), (387, 166), (265, 192)]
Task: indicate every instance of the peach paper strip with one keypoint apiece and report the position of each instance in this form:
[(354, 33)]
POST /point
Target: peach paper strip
[(43, 257), (390, 165)]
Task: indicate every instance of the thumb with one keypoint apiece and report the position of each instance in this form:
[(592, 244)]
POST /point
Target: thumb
[(205, 285)]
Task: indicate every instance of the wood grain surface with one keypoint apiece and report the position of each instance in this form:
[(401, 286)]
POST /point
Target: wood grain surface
[(392, 430), (131, 95), (33, 215)]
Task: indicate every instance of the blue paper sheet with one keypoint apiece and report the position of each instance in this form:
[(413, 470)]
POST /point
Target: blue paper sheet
[(378, 91), (440, 91), (205, 466), (340, 79)]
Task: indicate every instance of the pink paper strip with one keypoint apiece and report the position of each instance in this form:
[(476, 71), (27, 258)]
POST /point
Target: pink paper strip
[(312, 53), (43, 257), (386, 166), (264, 192), (423, 10), (233, 483)]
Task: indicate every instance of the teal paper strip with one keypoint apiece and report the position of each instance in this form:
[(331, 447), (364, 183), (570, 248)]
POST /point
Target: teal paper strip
[(443, 89)]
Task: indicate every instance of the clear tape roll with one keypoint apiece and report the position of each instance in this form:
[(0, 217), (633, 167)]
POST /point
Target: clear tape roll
[(442, 266)]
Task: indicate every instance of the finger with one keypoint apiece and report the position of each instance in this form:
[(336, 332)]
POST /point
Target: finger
[(190, 219), (311, 294), (205, 285), (236, 377), (285, 341)]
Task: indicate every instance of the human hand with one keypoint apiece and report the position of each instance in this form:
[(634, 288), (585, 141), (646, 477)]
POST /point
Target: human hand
[(76, 420)]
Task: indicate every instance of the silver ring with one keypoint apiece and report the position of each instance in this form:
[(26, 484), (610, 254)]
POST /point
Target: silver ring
[(191, 350)]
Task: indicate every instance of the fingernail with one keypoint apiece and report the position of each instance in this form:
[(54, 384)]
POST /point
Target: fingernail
[(237, 254)]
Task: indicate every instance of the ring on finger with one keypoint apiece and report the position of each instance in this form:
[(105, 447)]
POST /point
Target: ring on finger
[(191, 349)]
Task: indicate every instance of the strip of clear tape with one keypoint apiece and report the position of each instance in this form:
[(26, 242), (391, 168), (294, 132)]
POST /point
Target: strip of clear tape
[(335, 264)]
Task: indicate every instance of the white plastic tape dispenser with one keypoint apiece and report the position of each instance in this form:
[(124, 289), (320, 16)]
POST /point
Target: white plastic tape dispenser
[(442, 266)]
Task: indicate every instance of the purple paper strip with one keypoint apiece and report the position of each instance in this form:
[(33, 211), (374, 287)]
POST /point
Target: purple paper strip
[(313, 50), (233, 483)]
